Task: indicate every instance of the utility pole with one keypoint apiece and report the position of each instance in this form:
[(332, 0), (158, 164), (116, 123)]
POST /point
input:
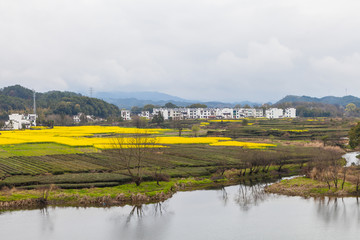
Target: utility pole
[(34, 94)]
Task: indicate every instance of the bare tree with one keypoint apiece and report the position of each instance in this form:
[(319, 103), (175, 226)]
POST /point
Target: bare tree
[(132, 151), (344, 170)]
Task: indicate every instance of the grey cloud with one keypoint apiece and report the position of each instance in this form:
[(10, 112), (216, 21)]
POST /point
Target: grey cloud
[(201, 49)]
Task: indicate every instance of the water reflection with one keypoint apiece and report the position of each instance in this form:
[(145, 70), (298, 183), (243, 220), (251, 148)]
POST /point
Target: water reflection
[(249, 196), (47, 221), (226, 213), (223, 195), (139, 211), (338, 209), (245, 196), (144, 221)]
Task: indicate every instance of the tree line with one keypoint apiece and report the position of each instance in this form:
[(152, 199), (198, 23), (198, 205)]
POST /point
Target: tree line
[(18, 98)]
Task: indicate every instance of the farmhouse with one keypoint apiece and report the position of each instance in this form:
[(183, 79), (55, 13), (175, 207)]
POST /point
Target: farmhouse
[(20, 121), (125, 114)]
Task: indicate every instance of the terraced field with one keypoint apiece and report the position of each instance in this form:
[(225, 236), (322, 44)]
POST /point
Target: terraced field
[(104, 168)]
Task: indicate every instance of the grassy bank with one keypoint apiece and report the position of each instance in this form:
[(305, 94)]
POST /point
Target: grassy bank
[(129, 193), (307, 187)]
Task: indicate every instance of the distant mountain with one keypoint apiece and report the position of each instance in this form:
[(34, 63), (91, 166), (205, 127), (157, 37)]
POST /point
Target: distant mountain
[(341, 101), (153, 96), (128, 103), (139, 99)]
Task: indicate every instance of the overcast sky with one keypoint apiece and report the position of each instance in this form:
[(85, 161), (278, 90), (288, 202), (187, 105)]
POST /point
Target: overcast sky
[(228, 50)]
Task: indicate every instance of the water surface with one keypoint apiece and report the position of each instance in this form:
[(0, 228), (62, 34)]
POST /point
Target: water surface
[(236, 212)]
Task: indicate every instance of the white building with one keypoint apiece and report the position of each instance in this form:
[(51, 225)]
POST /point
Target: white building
[(77, 118), (125, 114), (220, 113), (224, 113), (274, 113), (145, 114), (259, 112), (163, 111), (32, 118), (20, 121), (290, 113), (248, 113), (207, 113)]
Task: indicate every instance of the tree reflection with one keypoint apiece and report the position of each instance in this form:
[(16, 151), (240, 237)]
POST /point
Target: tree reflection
[(142, 210), (145, 221), (337, 209), (47, 220), (224, 195), (252, 195), (137, 211)]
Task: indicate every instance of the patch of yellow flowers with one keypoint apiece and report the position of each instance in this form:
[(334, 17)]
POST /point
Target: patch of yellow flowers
[(290, 130), (250, 145), (81, 136)]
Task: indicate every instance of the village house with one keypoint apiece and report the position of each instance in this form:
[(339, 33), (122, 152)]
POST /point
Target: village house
[(125, 114), (20, 121), (273, 113), (222, 113), (145, 114), (290, 113)]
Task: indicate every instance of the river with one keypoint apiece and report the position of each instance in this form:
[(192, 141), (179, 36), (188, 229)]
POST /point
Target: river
[(235, 212)]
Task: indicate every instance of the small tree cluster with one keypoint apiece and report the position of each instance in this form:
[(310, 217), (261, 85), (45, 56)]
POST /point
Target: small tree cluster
[(327, 168)]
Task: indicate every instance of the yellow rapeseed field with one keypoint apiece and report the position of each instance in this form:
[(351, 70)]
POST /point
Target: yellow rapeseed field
[(290, 130), (225, 120), (244, 144), (81, 136)]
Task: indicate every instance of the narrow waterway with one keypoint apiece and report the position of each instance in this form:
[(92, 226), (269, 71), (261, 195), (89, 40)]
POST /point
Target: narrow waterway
[(351, 158)]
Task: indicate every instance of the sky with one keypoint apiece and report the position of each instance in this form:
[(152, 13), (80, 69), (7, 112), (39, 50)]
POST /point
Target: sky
[(224, 50)]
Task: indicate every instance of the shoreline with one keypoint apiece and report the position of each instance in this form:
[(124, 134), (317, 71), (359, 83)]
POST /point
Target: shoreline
[(126, 194), (306, 187)]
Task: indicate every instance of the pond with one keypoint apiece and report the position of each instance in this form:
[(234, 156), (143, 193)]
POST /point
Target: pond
[(236, 212)]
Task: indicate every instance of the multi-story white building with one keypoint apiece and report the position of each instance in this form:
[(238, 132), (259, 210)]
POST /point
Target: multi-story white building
[(290, 113), (222, 113), (248, 112), (145, 114), (163, 111), (207, 113), (274, 113), (259, 112), (126, 114)]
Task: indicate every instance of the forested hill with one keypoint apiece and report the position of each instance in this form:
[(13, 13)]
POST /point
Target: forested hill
[(341, 101), (18, 98)]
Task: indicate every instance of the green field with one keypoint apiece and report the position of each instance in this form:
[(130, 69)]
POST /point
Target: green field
[(36, 165)]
